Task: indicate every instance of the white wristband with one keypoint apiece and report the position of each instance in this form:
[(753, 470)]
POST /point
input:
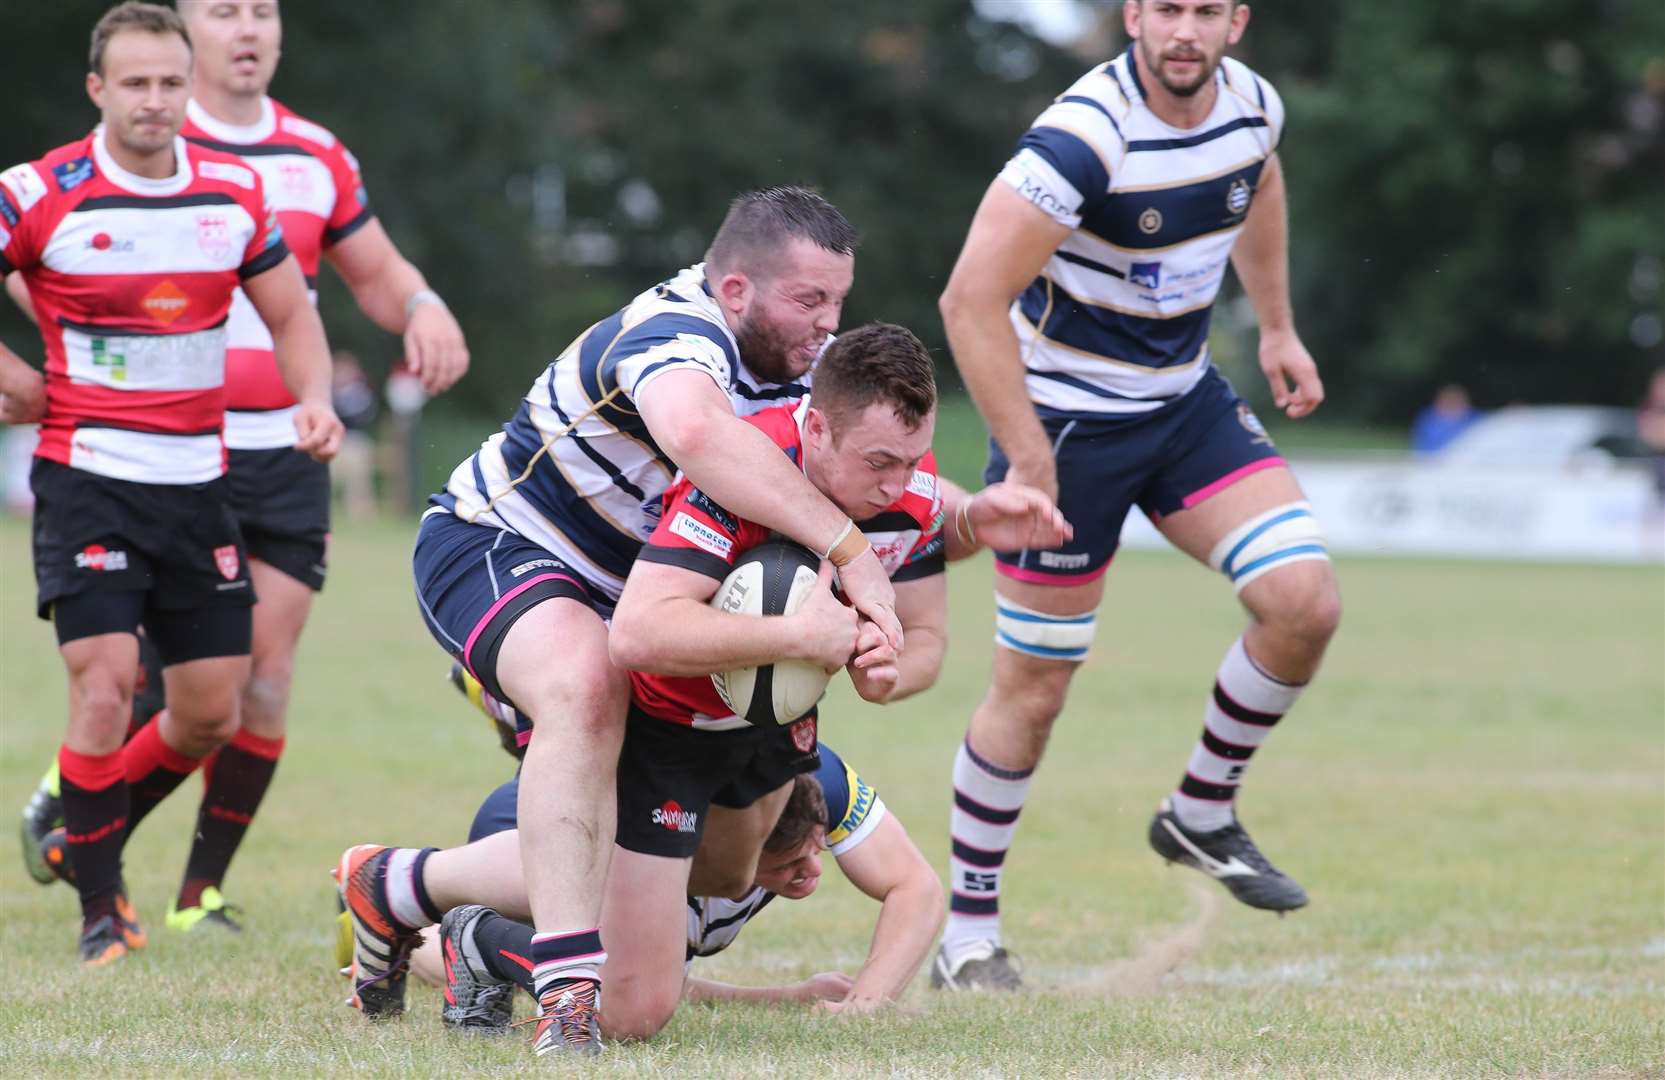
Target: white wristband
[(421, 296)]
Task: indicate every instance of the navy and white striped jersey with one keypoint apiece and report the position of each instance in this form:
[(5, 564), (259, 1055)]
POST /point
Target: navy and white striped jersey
[(575, 470), (1117, 322), (854, 810)]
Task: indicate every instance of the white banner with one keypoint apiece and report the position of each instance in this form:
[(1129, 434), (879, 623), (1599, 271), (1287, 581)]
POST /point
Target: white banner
[(1410, 507)]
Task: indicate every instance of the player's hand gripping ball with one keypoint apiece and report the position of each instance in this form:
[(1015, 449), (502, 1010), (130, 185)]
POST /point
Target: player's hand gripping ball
[(771, 579)]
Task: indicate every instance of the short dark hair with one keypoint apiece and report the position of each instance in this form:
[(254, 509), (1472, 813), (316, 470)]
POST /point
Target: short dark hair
[(879, 362), (759, 223), (151, 18), (804, 812)]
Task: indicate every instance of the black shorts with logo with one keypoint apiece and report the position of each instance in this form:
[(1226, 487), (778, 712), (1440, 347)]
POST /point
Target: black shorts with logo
[(282, 501), (177, 543), (669, 775)]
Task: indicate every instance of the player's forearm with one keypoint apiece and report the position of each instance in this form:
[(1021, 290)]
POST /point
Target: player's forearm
[(743, 470), (384, 296), (16, 376), (920, 662), (696, 989), (986, 351), (302, 354), (18, 290), (686, 638), (958, 540), (909, 919), (1261, 255)]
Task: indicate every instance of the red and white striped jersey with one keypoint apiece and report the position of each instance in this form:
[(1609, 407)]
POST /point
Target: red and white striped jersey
[(313, 183), (131, 280)]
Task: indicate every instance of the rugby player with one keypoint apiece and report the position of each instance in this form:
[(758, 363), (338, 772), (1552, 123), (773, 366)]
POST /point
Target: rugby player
[(131, 243), (1078, 314), (281, 498), (526, 549), (865, 443), (485, 952)]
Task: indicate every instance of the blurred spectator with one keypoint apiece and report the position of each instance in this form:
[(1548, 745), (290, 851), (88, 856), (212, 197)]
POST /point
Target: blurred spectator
[(354, 471), (1650, 428), (1448, 417), (402, 465)]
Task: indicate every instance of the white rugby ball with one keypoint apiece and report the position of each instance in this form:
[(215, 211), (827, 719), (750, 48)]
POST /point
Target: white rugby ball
[(770, 579)]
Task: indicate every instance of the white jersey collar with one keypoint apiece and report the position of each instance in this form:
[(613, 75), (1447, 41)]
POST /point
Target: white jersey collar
[(240, 134), (142, 185)]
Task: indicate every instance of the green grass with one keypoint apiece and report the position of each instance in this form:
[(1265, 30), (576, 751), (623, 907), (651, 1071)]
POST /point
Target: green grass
[(1472, 792)]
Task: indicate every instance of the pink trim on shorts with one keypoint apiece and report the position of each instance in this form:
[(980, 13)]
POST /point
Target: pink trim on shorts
[(474, 635), (1229, 479), (1035, 577)]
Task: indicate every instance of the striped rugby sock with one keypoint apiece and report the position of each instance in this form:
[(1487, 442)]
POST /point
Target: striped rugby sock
[(987, 801), (561, 958), (1245, 705)]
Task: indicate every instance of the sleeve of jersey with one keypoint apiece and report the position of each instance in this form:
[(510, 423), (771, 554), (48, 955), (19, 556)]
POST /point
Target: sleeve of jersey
[(1061, 165), (929, 554), (694, 533), (863, 810), (1273, 104), (267, 248), (21, 188), (671, 342), (352, 203)]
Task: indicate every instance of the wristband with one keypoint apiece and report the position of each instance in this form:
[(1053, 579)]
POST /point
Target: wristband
[(962, 524), (847, 546), (419, 297)]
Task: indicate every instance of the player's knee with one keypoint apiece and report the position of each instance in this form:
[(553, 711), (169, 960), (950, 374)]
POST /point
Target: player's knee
[(638, 1012), (266, 697), (1301, 602), (103, 708)]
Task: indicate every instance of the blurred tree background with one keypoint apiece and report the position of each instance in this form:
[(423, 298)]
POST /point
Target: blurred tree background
[(1478, 186)]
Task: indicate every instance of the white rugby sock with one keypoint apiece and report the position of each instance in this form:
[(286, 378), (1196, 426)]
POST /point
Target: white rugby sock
[(1242, 711), (987, 800)]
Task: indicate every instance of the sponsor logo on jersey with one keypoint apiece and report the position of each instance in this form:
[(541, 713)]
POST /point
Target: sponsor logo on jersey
[(892, 550), (165, 303), (105, 242), (923, 484), (5, 237), (674, 818), (701, 535), (25, 185), (214, 235), (240, 175), (803, 734), (1036, 193), (1238, 196), (104, 358), (1251, 423), (1054, 560), (1148, 274), (702, 502), (861, 801), (1150, 222), (72, 174), (98, 557), (527, 567), (11, 216), (228, 561)]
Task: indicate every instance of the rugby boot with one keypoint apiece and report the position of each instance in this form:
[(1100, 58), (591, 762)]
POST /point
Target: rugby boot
[(54, 855), (984, 966), (43, 813), (568, 1019), (381, 951), (132, 931), (476, 1000), (1228, 856), (210, 910), (103, 942)]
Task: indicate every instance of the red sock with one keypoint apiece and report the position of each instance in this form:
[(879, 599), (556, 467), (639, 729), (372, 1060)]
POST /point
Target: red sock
[(153, 769), (96, 811)]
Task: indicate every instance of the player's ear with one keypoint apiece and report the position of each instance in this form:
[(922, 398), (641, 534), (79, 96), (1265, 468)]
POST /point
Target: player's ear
[(1239, 23), (815, 426), (734, 292), (95, 88)]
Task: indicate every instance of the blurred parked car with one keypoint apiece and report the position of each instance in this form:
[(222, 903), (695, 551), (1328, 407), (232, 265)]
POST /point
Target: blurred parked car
[(1548, 436)]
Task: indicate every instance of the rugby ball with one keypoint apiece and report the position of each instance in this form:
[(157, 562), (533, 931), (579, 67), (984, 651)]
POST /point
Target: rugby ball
[(770, 579)]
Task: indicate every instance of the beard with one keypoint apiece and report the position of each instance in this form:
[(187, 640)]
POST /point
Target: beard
[(1184, 90), (766, 350)]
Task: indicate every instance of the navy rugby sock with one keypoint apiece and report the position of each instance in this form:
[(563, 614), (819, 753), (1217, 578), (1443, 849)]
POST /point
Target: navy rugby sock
[(506, 947)]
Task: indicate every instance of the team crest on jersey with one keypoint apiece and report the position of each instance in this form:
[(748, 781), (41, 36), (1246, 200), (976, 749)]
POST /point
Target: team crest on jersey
[(228, 561), (214, 235), (1251, 423), (1150, 222), (72, 174), (1148, 274), (165, 303), (297, 180), (1238, 196), (25, 185), (803, 734)]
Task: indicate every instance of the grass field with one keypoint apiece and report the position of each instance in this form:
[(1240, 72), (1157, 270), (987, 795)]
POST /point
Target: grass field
[(1474, 793)]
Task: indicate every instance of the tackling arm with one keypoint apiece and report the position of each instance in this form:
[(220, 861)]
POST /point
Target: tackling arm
[(394, 295), (888, 867), (1005, 516)]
